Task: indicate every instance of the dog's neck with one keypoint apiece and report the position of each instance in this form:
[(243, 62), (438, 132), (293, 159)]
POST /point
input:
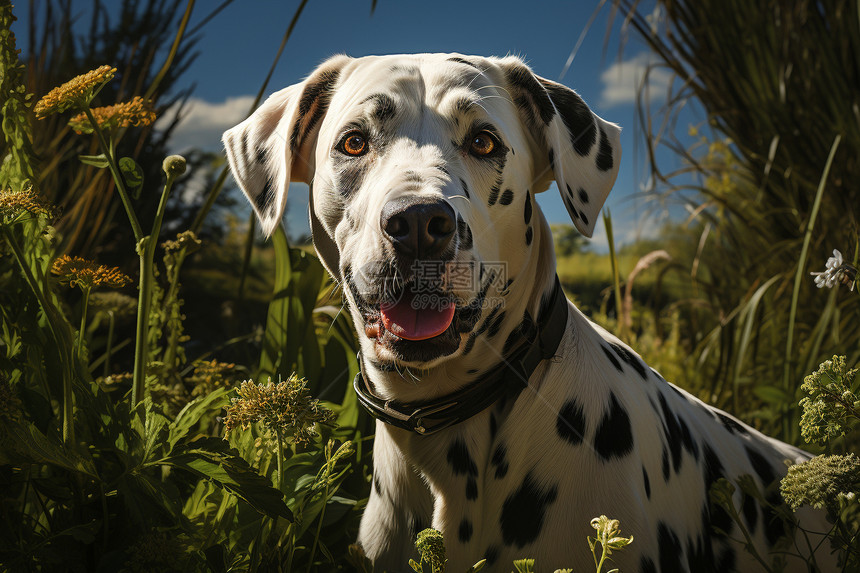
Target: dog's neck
[(532, 285)]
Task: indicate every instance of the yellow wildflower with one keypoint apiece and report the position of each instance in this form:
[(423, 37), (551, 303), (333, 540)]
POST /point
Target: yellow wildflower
[(75, 93), (13, 203), (137, 112), (76, 271)]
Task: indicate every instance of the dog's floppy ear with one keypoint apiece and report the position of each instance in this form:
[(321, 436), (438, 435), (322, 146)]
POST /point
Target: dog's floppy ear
[(274, 146), (582, 150)]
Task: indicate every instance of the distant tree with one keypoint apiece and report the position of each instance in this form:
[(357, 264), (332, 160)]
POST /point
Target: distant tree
[(568, 241)]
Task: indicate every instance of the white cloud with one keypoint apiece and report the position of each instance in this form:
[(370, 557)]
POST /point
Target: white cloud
[(203, 122), (621, 81)]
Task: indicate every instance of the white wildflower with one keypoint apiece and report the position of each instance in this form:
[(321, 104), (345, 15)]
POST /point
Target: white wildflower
[(836, 271)]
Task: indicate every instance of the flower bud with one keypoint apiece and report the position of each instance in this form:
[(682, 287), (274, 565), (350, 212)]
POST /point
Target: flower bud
[(174, 165)]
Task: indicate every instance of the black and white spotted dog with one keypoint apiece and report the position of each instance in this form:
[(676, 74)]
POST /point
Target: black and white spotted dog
[(507, 419)]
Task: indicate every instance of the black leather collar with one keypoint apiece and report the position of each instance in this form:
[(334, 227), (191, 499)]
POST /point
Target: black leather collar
[(511, 374)]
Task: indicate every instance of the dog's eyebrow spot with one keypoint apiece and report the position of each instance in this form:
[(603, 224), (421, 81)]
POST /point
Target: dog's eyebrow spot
[(384, 106), (466, 62)]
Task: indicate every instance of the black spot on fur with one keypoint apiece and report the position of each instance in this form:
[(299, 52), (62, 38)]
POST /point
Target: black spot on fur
[(525, 330), (773, 526), (576, 116), (630, 359), (491, 554), (462, 61), (647, 482), (614, 436), (377, 486), (529, 235), (464, 533), (700, 554), (524, 510), (761, 466), (416, 525), (584, 217), (465, 189), (552, 159), (731, 425), (646, 565), (583, 196), (464, 232), (471, 489), (507, 197), (604, 154), (319, 92), (687, 439), (460, 460), (612, 358), (266, 196), (749, 507), (261, 156), (384, 108), (494, 196), (717, 516), (665, 464), (727, 560), (672, 430), (527, 211), (570, 423), (670, 550), (496, 325), (500, 461), (522, 78)]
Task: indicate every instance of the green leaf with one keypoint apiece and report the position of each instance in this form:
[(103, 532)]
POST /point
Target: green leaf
[(214, 459), (194, 410), (24, 443), (773, 395), (99, 160), (132, 174)]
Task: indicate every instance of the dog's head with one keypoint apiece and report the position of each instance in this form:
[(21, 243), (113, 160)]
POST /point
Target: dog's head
[(423, 171)]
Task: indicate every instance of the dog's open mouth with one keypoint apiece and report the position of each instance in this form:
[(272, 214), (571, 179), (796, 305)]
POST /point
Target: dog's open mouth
[(416, 326), (417, 316)]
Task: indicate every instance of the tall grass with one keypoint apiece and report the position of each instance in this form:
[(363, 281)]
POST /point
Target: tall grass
[(779, 82)]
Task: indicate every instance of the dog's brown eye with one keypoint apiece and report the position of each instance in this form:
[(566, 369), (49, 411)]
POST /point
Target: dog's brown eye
[(353, 143), (483, 144)]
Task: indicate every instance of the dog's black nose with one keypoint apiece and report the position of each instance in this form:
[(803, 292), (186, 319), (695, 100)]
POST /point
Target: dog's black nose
[(419, 229)]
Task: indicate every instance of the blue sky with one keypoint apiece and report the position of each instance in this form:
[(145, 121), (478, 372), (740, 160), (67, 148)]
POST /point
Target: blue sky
[(238, 45)]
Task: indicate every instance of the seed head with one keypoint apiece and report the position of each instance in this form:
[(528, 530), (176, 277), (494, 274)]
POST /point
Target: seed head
[(285, 408), (431, 547), (174, 165), (86, 274), (13, 203), (75, 93), (137, 112)]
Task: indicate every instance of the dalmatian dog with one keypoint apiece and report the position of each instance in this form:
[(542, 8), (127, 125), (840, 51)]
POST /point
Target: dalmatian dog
[(506, 419)]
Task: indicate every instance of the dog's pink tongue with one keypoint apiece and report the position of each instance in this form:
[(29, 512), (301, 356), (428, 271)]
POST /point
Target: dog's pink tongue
[(406, 321)]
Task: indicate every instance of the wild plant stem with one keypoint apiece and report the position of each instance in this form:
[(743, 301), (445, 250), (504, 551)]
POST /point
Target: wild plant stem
[(109, 349), (117, 177), (84, 304), (146, 251), (798, 275), (326, 474)]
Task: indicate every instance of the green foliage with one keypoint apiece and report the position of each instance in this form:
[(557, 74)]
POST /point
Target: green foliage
[(831, 407), (823, 482), (431, 549), (17, 170)]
